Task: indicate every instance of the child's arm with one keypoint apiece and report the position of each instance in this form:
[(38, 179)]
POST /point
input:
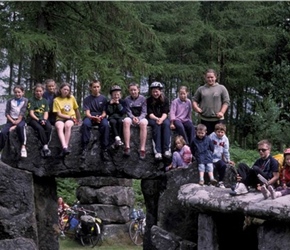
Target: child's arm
[(78, 115), (32, 115)]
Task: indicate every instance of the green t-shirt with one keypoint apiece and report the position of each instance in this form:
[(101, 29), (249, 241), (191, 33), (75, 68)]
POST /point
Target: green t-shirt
[(39, 107)]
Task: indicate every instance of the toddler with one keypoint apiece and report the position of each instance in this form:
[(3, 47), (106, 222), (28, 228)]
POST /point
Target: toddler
[(182, 157)]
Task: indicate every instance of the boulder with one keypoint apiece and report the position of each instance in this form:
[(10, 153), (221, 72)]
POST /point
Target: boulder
[(113, 195), (110, 214), (93, 165), (98, 182), (17, 209), (18, 244)]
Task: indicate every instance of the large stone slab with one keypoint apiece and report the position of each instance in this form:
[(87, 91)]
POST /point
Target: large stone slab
[(93, 165), (18, 244), (211, 199)]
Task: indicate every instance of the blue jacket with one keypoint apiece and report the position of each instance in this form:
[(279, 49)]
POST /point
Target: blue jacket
[(202, 149)]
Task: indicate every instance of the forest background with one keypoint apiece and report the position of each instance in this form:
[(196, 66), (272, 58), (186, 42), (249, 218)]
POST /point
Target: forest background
[(247, 43)]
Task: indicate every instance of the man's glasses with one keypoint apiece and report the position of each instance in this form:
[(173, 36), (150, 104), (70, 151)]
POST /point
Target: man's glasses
[(262, 149)]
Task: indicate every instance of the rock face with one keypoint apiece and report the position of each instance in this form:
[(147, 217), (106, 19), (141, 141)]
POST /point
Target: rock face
[(179, 213), (17, 210)]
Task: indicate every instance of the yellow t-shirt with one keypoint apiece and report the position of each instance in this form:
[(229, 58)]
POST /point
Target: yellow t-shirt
[(66, 106)]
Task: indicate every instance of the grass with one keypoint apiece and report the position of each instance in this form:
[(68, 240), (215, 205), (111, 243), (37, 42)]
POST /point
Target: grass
[(70, 244)]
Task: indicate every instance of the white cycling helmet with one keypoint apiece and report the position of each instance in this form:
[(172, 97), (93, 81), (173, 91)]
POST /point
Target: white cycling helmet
[(156, 85)]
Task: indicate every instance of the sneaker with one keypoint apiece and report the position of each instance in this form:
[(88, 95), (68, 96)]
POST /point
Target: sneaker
[(265, 192), (127, 152), (105, 155), (221, 185), (213, 182), (65, 151), (167, 154), (45, 153), (84, 154), (142, 154), (239, 189), (23, 153), (119, 143), (272, 192), (158, 156), (201, 182)]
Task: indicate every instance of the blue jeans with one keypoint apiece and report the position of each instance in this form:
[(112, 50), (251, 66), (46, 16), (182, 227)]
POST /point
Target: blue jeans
[(186, 130), (104, 130), (161, 135), (20, 130)]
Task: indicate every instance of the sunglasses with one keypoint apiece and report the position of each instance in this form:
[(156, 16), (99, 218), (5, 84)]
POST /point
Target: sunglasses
[(262, 149)]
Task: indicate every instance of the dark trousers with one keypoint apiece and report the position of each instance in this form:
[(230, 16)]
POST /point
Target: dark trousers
[(104, 130), (116, 127), (210, 125), (221, 167), (186, 130), (43, 131), (20, 130), (161, 135), (249, 175)]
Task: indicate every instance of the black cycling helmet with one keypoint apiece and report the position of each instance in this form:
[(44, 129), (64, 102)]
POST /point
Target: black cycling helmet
[(156, 85), (115, 88)]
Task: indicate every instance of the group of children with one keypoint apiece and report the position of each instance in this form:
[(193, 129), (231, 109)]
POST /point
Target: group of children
[(52, 106), (47, 107), (210, 151)]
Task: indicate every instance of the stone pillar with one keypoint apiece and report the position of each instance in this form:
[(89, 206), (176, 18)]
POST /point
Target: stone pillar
[(207, 238), (273, 236), (112, 199)]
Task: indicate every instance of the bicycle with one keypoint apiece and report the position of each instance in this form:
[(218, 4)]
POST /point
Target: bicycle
[(88, 230), (137, 226)]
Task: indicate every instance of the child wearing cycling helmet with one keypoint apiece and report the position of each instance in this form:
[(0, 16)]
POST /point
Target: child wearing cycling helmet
[(116, 111), (284, 177), (157, 115), (180, 116)]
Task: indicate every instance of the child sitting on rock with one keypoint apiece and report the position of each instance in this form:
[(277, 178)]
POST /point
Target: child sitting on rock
[(221, 153), (116, 111), (284, 189), (182, 157)]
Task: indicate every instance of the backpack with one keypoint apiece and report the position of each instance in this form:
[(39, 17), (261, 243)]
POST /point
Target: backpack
[(280, 159)]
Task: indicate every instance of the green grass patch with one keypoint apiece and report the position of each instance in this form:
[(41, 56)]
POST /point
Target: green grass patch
[(71, 244)]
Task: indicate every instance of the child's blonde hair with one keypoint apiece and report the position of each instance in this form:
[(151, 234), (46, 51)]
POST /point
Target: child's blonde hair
[(180, 138)]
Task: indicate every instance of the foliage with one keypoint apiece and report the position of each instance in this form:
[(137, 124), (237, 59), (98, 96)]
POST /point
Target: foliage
[(139, 199), (247, 43), (240, 155), (66, 188)]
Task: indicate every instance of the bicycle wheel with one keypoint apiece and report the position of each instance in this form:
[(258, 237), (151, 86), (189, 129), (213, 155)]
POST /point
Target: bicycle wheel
[(86, 240), (135, 233), (95, 235)]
